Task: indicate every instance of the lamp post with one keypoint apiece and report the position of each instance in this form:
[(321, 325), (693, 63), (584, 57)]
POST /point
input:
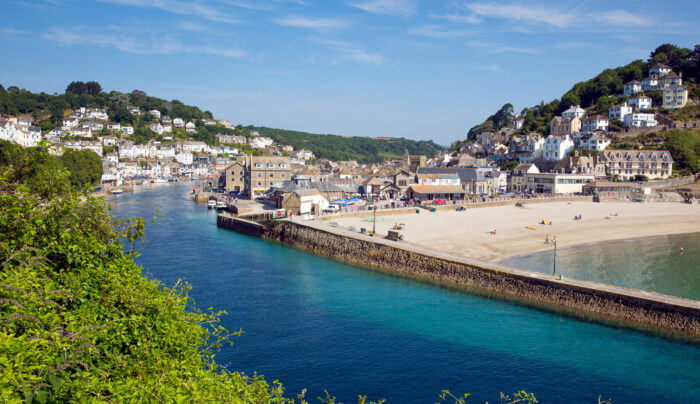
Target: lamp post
[(374, 221), (554, 268)]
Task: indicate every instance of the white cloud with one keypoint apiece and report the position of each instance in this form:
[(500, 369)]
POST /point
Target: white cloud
[(312, 23), (572, 45), (469, 19), (197, 9), (12, 32), (436, 31), (488, 68), (390, 7), (623, 18), (495, 48), (349, 51), (528, 13), (142, 43)]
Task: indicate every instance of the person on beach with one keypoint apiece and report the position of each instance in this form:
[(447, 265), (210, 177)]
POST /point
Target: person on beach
[(546, 239), (682, 250)]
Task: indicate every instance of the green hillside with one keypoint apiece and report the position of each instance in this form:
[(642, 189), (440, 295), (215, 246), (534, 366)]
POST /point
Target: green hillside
[(362, 149), (598, 92)]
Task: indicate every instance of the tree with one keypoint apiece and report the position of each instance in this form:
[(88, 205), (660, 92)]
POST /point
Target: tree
[(85, 167), (122, 115), (2, 89), (138, 97), (93, 88), (57, 106), (76, 87)]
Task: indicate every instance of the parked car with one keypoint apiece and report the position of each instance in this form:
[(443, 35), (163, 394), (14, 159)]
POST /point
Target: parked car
[(332, 208)]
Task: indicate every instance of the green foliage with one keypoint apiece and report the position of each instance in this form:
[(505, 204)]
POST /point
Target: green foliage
[(503, 117), (85, 167), (362, 149), (78, 87), (684, 146), (507, 165)]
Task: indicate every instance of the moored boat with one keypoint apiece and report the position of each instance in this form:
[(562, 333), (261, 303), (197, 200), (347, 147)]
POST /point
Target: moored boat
[(211, 204), (117, 191), (221, 205)]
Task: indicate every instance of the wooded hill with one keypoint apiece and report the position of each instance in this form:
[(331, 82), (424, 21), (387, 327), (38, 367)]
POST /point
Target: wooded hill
[(597, 93), (362, 149)]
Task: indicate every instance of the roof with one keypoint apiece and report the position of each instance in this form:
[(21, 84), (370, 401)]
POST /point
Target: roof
[(307, 192), (466, 174), (437, 189), (373, 181)]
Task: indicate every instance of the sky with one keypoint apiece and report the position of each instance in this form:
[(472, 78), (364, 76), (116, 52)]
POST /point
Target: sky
[(420, 69)]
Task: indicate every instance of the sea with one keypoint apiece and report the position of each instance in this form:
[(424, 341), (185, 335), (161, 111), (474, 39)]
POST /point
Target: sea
[(316, 324)]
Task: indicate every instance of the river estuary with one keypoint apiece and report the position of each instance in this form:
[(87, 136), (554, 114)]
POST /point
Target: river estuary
[(317, 324)]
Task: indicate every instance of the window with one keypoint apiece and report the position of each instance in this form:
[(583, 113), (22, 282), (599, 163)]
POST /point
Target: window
[(282, 175), (259, 175), (270, 165), (259, 183), (283, 165), (258, 165), (271, 175)]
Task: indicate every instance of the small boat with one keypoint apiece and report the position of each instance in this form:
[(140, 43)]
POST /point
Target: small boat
[(221, 205), (211, 204), (117, 191)]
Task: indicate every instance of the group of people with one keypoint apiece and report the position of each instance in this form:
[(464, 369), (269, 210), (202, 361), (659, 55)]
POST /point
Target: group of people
[(546, 239)]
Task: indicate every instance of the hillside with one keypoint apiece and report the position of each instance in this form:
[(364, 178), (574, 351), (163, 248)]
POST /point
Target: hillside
[(362, 149), (599, 93)]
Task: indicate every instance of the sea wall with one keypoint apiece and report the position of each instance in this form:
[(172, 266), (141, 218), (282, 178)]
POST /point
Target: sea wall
[(241, 225), (586, 300)]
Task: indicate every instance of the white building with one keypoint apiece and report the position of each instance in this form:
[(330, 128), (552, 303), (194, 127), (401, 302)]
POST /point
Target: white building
[(594, 123), (155, 113), (70, 122), (640, 102), (156, 127), (184, 158), (632, 87), (640, 119), (556, 183), (575, 111), (619, 111), (190, 127), (127, 130), (114, 126), (594, 142), (659, 69), (109, 141), (100, 114), (557, 147), (178, 123), (134, 111), (93, 125)]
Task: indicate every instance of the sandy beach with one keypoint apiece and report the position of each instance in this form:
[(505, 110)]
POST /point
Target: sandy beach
[(468, 233)]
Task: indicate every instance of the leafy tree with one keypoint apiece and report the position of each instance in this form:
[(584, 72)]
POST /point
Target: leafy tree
[(76, 87), (122, 115), (85, 167), (93, 88), (507, 165), (2, 89)]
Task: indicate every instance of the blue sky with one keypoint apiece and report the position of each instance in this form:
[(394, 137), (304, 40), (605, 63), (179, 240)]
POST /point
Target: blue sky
[(404, 68)]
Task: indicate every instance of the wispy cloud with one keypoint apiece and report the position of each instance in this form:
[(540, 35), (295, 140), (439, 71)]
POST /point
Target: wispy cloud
[(571, 45), (196, 9), (143, 43), (390, 7), (488, 67), (12, 32), (533, 13), (468, 19), (495, 48), (436, 31), (623, 18), (321, 24), (349, 51)]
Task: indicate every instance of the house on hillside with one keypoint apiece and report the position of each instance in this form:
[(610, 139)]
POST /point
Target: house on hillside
[(619, 111), (155, 113), (594, 123), (640, 119), (659, 69), (557, 147), (675, 96), (640, 102), (562, 126), (190, 127), (594, 142), (581, 165), (575, 111), (632, 88)]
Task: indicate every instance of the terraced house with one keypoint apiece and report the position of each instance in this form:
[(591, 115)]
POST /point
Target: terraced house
[(629, 163)]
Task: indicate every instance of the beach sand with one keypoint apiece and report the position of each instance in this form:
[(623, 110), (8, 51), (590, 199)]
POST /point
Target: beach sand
[(467, 233)]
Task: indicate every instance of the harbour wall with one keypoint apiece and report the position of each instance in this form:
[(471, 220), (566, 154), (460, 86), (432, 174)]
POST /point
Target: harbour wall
[(591, 301)]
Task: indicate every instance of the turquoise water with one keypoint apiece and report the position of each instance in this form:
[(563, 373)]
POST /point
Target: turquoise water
[(317, 324), (653, 264)]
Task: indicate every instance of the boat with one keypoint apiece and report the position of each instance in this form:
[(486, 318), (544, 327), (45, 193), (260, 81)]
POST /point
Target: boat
[(211, 204), (221, 205), (117, 191)]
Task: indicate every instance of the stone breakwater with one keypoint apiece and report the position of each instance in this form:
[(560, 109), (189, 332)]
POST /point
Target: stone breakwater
[(591, 301)]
